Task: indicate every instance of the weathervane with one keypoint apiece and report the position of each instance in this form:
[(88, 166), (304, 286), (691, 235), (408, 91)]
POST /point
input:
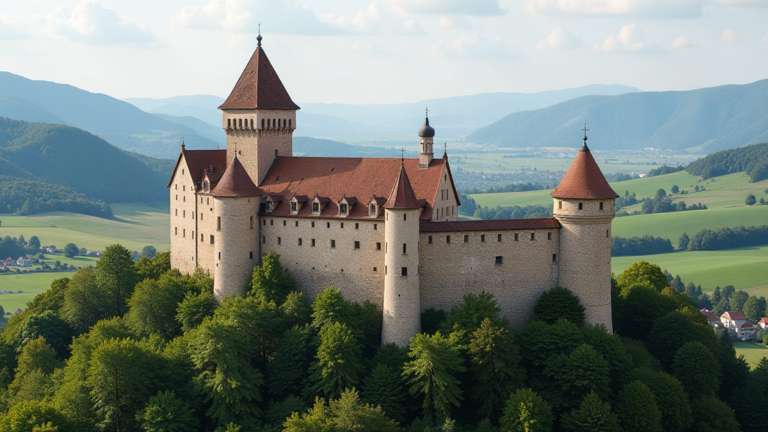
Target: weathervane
[(258, 38), (585, 131), (402, 156)]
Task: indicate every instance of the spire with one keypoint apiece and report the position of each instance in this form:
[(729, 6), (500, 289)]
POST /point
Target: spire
[(236, 183), (402, 196), (445, 152), (584, 180), (427, 131), (259, 86), (258, 38)]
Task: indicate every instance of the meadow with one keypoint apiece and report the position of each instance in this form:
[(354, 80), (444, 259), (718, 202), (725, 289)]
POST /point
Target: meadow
[(752, 352), (30, 283)]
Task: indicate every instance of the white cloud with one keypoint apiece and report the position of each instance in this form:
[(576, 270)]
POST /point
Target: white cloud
[(765, 39), (374, 18), (683, 42), (8, 32), (631, 38), (621, 8), (473, 46), (560, 38), (455, 22), (746, 3), (443, 7), (92, 23), (729, 36), (281, 16)]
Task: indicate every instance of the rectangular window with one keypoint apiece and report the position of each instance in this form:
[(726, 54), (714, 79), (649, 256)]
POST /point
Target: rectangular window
[(374, 269), (533, 236), (202, 238), (264, 222), (193, 215), (183, 213), (219, 256), (378, 245), (177, 212), (499, 260), (549, 236), (607, 233), (251, 254), (404, 271), (466, 238), (560, 205), (184, 232), (211, 239), (284, 223), (218, 223), (498, 237), (333, 243), (327, 224), (300, 242), (375, 227), (372, 211), (405, 249), (554, 257), (429, 240), (279, 240), (515, 236), (447, 239), (271, 222), (201, 216), (357, 245), (264, 239), (343, 208), (313, 242), (601, 206), (405, 217), (342, 225), (315, 207), (482, 238), (251, 222), (296, 224), (294, 207), (581, 206), (313, 224)]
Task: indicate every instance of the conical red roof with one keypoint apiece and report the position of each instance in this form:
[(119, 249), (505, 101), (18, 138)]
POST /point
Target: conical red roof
[(402, 196), (259, 87), (584, 180), (236, 183)]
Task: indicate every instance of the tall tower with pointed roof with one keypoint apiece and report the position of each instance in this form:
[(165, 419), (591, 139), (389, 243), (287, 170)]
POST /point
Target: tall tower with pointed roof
[(583, 204), (402, 304), (258, 117), (426, 150)]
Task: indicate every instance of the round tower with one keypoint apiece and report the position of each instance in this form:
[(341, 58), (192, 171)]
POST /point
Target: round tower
[(583, 204), (236, 204), (402, 304)]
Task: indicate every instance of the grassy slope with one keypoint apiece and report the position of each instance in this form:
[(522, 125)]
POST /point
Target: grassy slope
[(31, 284), (753, 352)]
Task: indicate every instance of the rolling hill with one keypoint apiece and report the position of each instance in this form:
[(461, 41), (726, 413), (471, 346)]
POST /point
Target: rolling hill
[(705, 120)]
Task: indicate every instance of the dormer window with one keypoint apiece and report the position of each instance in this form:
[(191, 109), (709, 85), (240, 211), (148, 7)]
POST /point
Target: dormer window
[(269, 205), (294, 207), (316, 207), (343, 208), (207, 185)]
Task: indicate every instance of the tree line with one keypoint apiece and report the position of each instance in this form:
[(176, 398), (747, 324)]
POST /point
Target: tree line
[(752, 159), (512, 212), (645, 245), (26, 197), (725, 238), (139, 347)]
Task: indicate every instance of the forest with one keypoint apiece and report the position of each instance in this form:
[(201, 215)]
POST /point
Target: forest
[(753, 160), (29, 197), (645, 245), (137, 346), (725, 238)]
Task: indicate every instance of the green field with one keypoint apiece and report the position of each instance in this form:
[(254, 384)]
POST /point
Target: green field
[(752, 352), (31, 284), (134, 226)]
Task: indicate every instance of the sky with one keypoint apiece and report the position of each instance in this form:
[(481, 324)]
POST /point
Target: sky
[(385, 51)]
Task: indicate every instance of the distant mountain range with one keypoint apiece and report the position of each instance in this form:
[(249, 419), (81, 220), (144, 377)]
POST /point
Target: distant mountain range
[(454, 117), (705, 121), (116, 121)]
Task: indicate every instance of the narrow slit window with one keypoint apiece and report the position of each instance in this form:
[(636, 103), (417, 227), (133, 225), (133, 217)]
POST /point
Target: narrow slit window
[(499, 260), (279, 240), (448, 239), (211, 239), (466, 238), (515, 236), (313, 243), (581, 206), (357, 244), (378, 246), (405, 248), (533, 236), (549, 236), (300, 242), (218, 223), (498, 237), (482, 238), (404, 271), (554, 257), (251, 222), (601, 206), (333, 243), (429, 240)]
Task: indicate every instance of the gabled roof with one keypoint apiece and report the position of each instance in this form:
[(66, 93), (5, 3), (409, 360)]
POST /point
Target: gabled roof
[(584, 180), (402, 196), (734, 316), (236, 183), (259, 87), (747, 325), (200, 160), (361, 178), (763, 320)]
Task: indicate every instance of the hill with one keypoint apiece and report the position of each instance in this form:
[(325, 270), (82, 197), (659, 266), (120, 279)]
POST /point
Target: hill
[(116, 121), (752, 160), (79, 161), (306, 146), (705, 120)]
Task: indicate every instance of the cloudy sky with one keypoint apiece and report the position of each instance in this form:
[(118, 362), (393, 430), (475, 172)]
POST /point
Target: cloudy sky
[(385, 51)]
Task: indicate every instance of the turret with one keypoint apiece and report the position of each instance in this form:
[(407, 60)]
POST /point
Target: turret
[(236, 200), (402, 304), (426, 151), (583, 203), (258, 117)]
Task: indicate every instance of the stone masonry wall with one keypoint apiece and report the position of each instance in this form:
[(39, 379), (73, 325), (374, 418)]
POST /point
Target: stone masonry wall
[(255, 147), (357, 273), (206, 226), (445, 208), (182, 198), (451, 270), (236, 246)]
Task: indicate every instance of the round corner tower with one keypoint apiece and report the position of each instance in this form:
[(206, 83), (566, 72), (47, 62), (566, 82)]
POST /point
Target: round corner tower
[(237, 201), (583, 204), (402, 298)]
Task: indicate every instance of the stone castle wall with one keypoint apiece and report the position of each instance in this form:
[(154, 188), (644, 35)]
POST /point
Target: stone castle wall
[(451, 270), (236, 245), (183, 226), (446, 207), (207, 234), (357, 273)]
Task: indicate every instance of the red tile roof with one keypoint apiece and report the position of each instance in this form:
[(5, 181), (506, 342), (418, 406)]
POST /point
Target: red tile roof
[(763, 320), (490, 225), (200, 160), (747, 325), (236, 183), (361, 178), (259, 87), (402, 196), (584, 180), (734, 316)]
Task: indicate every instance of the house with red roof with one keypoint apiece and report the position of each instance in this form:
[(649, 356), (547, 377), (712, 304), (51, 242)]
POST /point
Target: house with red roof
[(24, 261), (763, 323), (712, 318), (738, 325), (386, 230), (9, 262)]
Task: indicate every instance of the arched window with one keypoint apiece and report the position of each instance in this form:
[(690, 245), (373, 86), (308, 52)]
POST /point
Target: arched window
[(289, 124), (229, 123), (240, 123), (251, 123), (262, 123)]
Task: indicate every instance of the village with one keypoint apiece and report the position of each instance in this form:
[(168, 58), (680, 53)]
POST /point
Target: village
[(737, 324)]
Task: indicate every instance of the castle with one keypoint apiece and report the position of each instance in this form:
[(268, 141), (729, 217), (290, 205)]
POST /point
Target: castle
[(384, 230)]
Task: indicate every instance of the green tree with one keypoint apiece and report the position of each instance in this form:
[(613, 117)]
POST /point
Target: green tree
[(750, 200), (573, 376), (525, 411), (716, 296), (670, 398), (751, 405), (713, 415), (166, 413), (330, 307), (116, 277), (84, 301), (35, 416), (637, 308), (610, 346), (696, 368), (288, 371), (295, 308), (32, 380), (675, 189), (269, 281), (540, 341), (153, 304), (660, 193), (194, 309), (384, 387), (592, 415), (683, 242), (260, 322), (637, 409), (48, 325), (738, 300), (71, 250), (495, 366), (672, 331), (34, 243), (154, 267), (467, 316), (347, 413), (559, 303), (752, 309), (223, 358), (148, 252), (643, 273), (431, 373), (338, 361)]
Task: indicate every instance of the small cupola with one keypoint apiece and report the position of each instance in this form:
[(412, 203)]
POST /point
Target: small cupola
[(427, 131)]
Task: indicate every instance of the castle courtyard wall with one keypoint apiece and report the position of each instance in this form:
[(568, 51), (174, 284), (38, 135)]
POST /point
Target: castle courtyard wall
[(357, 273), (448, 271), (206, 226), (182, 197)]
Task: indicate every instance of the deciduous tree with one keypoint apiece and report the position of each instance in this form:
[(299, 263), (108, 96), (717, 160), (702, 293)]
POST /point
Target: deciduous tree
[(592, 415), (696, 368), (559, 303), (165, 412), (525, 411), (643, 273), (338, 361), (637, 409)]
